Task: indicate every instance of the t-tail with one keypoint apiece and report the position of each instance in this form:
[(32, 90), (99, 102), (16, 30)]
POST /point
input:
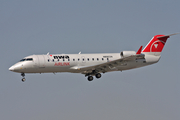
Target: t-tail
[(156, 45)]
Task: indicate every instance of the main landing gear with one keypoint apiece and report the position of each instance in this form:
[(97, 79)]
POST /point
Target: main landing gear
[(23, 75), (90, 78), (98, 75)]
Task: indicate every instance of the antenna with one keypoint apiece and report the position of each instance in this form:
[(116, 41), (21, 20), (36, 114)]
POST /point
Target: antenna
[(80, 52)]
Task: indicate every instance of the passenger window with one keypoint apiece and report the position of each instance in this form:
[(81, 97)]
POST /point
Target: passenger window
[(48, 60), (97, 59), (107, 58), (83, 59), (68, 59), (102, 58), (88, 59), (73, 59), (93, 59), (78, 59)]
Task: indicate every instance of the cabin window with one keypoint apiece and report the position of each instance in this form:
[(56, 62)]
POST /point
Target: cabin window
[(107, 58), (102, 58), (83, 59), (53, 60), (63, 59), (68, 59), (93, 59), (73, 59), (88, 59), (78, 59), (97, 59), (48, 60)]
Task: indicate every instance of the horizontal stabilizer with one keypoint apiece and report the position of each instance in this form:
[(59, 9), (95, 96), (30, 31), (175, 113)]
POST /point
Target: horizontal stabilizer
[(167, 36)]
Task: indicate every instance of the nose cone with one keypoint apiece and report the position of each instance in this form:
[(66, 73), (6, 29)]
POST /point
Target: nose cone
[(11, 68), (16, 68)]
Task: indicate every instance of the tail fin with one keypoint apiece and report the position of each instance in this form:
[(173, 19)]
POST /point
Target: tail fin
[(156, 44)]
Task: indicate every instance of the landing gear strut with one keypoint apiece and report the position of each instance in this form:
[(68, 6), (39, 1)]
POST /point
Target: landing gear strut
[(23, 75)]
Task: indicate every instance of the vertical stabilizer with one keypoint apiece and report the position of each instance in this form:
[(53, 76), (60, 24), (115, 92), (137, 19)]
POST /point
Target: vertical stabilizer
[(156, 45)]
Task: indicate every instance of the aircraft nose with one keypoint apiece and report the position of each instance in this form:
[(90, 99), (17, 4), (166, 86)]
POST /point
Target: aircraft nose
[(18, 67), (11, 68)]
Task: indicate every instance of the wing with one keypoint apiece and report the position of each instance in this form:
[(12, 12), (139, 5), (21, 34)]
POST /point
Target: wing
[(108, 66)]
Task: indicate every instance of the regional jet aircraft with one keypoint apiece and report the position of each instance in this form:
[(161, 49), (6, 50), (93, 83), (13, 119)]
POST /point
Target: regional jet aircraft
[(92, 64)]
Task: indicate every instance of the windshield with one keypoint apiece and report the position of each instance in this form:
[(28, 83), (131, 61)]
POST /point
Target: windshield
[(27, 59), (22, 60)]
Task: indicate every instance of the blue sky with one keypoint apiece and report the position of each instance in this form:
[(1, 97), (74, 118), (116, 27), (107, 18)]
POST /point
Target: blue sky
[(96, 26)]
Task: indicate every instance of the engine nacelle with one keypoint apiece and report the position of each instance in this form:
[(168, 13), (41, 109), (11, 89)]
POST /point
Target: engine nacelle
[(127, 53)]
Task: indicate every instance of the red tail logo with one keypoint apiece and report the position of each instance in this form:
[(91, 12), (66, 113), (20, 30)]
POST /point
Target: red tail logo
[(156, 44)]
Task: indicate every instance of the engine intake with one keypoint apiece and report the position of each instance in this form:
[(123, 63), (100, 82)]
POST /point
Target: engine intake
[(127, 53)]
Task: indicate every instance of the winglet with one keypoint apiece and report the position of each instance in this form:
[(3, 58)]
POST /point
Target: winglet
[(139, 51)]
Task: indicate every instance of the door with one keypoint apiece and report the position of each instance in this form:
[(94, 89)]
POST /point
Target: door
[(41, 61)]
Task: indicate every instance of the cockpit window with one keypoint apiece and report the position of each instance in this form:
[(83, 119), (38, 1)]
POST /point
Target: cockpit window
[(27, 59), (22, 60)]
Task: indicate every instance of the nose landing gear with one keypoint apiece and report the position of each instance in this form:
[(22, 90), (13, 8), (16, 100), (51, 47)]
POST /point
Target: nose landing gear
[(23, 75)]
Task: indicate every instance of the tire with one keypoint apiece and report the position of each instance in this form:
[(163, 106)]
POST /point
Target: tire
[(98, 75), (23, 79), (90, 78)]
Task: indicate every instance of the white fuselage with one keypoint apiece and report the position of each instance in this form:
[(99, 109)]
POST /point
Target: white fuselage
[(71, 62)]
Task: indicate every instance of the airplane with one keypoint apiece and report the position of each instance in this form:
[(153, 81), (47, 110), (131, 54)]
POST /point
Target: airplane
[(92, 64)]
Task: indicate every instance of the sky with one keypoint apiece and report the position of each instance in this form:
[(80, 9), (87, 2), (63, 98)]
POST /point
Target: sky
[(94, 26)]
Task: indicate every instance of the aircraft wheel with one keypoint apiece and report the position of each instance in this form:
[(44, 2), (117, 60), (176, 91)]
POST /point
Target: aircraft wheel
[(23, 79), (90, 78), (98, 75)]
